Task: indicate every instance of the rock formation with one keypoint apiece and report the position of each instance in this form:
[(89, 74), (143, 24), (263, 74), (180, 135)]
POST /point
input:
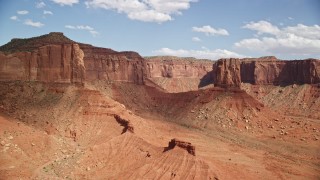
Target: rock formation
[(227, 73), (182, 144), (264, 71), (290, 72), (176, 74), (30, 44), (175, 67), (55, 58), (106, 64), (49, 63)]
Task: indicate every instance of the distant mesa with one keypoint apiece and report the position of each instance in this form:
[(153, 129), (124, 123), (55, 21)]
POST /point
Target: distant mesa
[(181, 144)]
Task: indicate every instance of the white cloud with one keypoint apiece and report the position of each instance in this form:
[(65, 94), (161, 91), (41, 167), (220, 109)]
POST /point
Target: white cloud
[(292, 40), (83, 27), (290, 18), (262, 27), (23, 12), (47, 12), (94, 33), (80, 27), (150, 16), (310, 32), (15, 18), (144, 10), (204, 53), (70, 27), (40, 4), (66, 2), (210, 31), (29, 22), (196, 39), (88, 28)]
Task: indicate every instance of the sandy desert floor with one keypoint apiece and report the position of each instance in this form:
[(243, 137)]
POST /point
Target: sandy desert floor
[(70, 132)]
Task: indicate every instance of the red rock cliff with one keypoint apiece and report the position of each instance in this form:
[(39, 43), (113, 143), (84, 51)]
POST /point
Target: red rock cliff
[(176, 74), (55, 58), (265, 70), (280, 72), (227, 73), (49, 63), (106, 64)]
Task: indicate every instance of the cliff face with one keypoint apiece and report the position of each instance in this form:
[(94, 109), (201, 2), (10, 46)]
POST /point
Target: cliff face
[(262, 71), (175, 67), (280, 72), (227, 73), (176, 74), (106, 64), (49, 63), (266, 70), (55, 58)]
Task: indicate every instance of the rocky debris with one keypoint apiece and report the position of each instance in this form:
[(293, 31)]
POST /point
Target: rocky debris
[(182, 144), (128, 127)]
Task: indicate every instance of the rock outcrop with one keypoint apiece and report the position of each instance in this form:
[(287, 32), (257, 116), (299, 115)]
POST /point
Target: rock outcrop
[(227, 73), (31, 44), (49, 63), (290, 72), (176, 74), (182, 144), (265, 71), (269, 70), (56, 58), (106, 64)]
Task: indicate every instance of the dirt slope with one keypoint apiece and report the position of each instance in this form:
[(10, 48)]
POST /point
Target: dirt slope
[(71, 132)]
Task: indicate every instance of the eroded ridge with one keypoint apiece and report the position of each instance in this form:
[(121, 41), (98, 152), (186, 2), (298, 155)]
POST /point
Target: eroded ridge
[(125, 123), (182, 144)]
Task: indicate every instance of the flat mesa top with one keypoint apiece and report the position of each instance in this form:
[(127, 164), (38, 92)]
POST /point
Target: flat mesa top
[(29, 44)]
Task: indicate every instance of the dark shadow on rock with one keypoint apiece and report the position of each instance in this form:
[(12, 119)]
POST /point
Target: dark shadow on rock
[(298, 72), (206, 80), (127, 126), (182, 144)]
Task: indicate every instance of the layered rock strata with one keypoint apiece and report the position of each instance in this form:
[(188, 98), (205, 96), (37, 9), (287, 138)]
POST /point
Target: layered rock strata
[(265, 71), (50, 63), (55, 58)]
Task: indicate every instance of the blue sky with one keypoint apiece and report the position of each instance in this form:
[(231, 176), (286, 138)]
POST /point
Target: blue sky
[(288, 29)]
